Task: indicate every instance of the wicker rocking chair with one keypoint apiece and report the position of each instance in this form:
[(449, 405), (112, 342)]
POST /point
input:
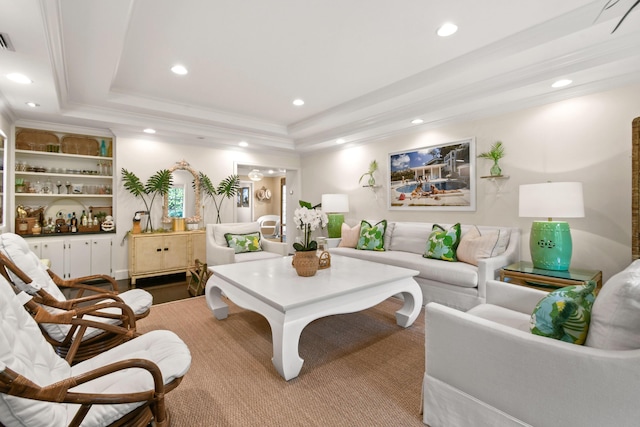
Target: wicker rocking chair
[(44, 285), (124, 385), (81, 328)]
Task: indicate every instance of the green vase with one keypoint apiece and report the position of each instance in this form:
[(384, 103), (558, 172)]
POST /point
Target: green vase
[(495, 169)]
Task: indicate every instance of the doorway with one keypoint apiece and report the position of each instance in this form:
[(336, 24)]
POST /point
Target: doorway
[(283, 185)]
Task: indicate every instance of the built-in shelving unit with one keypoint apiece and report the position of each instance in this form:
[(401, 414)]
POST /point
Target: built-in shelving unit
[(51, 175)]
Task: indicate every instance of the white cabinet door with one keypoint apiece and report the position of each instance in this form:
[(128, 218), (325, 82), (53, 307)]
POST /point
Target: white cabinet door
[(53, 250), (79, 258), (101, 255)]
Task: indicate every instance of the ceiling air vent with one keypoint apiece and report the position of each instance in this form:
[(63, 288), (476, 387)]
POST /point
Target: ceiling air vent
[(5, 42)]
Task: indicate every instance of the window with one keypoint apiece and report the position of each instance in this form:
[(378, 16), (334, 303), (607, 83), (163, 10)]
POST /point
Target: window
[(176, 202)]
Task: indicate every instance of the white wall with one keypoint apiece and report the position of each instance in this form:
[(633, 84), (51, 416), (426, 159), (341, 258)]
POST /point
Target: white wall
[(586, 139), (5, 127), (144, 157)]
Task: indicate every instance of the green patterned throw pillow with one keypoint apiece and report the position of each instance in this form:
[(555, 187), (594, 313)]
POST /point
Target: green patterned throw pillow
[(372, 237), (240, 243), (442, 244), (565, 313)]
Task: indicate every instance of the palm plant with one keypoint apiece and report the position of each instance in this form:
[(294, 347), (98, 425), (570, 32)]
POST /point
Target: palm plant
[(373, 166), (157, 185), (226, 189), (495, 153), (610, 3)]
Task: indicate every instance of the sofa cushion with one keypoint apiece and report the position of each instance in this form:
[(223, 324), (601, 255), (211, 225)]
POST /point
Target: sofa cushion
[(372, 237), (249, 242), (410, 237), (350, 236), (564, 314), (475, 245), (615, 318), (456, 274), (442, 244)]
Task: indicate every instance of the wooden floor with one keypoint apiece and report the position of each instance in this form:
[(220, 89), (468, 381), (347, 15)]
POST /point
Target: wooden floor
[(163, 288)]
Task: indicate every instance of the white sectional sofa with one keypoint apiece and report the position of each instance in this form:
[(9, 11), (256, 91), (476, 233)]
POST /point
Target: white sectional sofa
[(459, 284)]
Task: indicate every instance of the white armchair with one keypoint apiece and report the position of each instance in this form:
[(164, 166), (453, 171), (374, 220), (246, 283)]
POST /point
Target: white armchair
[(484, 367), (219, 253), (269, 225)]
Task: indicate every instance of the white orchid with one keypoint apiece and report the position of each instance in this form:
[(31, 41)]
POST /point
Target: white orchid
[(308, 220)]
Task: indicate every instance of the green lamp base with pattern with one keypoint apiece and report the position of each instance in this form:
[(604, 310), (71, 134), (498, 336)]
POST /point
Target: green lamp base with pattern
[(551, 245), (334, 227)]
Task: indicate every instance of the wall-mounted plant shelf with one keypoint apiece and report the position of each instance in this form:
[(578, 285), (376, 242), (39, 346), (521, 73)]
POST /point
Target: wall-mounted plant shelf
[(498, 180), (373, 188)]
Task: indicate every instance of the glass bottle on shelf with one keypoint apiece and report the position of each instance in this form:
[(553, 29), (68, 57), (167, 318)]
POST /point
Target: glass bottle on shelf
[(74, 223)]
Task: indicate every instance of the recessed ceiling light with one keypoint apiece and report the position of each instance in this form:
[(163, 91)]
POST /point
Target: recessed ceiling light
[(149, 130), (561, 83), (19, 78), (179, 69), (271, 172), (340, 141), (243, 144), (298, 102), (447, 29), (32, 104), (417, 121)]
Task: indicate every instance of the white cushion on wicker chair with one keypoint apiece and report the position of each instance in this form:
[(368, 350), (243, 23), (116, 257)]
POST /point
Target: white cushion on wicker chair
[(24, 350), (18, 251)]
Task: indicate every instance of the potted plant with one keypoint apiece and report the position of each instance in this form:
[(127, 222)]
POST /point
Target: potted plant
[(157, 185), (373, 166), (226, 189), (307, 219), (495, 153)]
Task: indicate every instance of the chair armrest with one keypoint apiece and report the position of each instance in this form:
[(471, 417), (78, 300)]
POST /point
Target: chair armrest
[(59, 391), (69, 304), (275, 247), (219, 255), (488, 268), (513, 297), (509, 369)]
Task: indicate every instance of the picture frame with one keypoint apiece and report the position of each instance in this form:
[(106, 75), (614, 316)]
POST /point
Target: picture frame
[(438, 177)]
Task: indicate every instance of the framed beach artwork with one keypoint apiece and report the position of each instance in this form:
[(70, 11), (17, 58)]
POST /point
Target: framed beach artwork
[(438, 177)]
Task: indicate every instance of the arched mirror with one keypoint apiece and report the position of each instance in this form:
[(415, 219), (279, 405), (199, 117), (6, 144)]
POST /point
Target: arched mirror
[(183, 199)]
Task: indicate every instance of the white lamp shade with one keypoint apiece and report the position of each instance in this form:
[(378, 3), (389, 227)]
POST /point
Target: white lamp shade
[(335, 203), (552, 200)]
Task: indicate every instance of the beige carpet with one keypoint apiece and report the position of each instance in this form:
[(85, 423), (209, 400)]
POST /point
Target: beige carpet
[(359, 369)]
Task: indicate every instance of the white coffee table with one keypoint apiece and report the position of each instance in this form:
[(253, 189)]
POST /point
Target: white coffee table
[(289, 302)]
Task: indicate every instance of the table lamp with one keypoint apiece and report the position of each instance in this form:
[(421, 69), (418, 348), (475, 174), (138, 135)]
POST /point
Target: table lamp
[(334, 205), (550, 241)]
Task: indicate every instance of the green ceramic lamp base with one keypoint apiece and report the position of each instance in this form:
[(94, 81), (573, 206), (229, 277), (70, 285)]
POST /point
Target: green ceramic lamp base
[(334, 227), (551, 245)]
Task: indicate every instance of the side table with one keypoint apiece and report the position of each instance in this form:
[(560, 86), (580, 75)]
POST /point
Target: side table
[(523, 273)]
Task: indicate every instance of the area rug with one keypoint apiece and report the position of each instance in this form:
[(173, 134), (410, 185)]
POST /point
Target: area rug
[(360, 369)]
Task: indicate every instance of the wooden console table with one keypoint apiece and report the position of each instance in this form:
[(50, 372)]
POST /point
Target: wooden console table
[(524, 274), (156, 254)]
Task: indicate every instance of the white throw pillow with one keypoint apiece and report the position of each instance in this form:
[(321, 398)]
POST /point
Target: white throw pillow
[(615, 317), (350, 236), (475, 245)]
